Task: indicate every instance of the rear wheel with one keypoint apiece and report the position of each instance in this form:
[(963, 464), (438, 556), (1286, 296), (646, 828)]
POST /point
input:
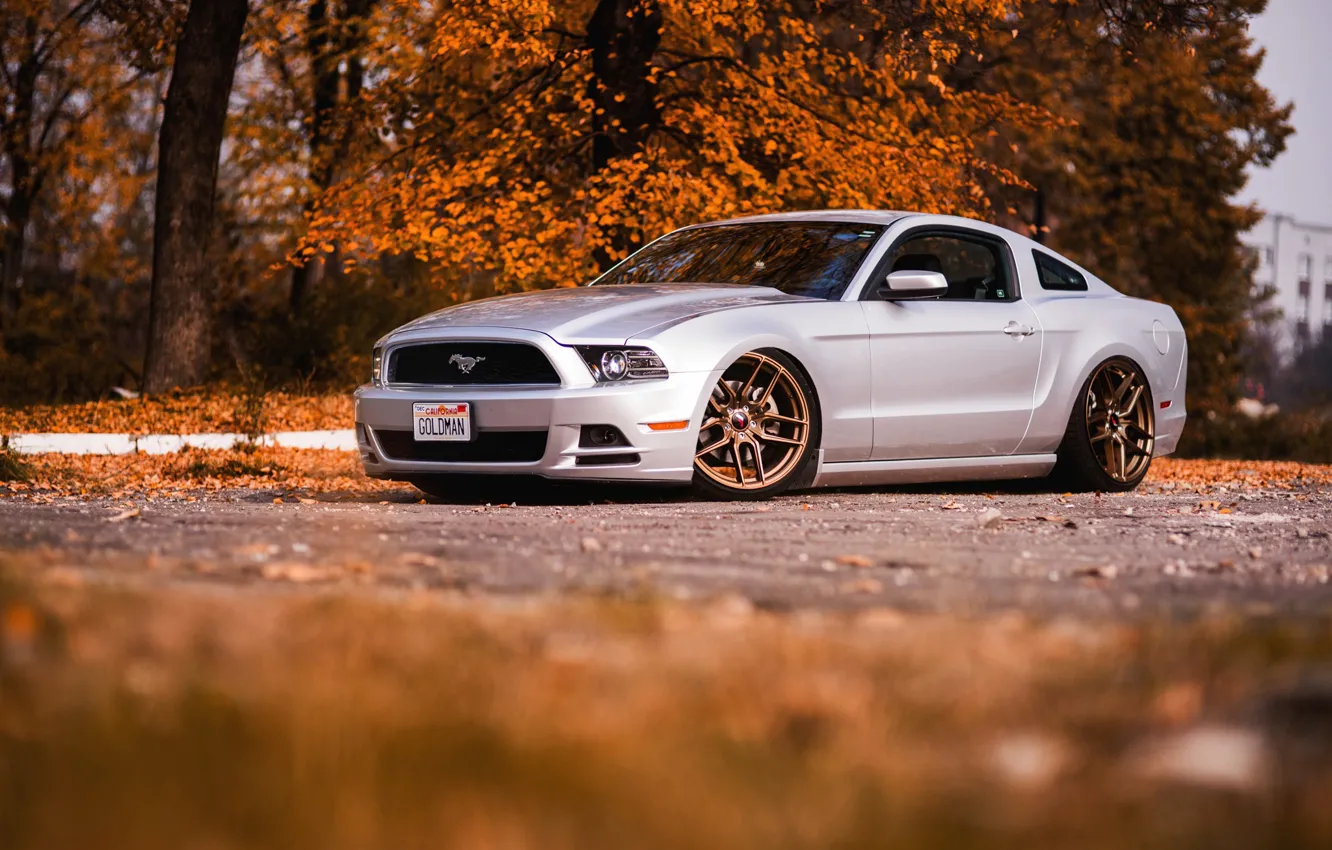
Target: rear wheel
[(760, 429), (1112, 431)]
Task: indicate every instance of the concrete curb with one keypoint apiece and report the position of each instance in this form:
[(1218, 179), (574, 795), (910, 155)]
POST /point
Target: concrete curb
[(159, 444)]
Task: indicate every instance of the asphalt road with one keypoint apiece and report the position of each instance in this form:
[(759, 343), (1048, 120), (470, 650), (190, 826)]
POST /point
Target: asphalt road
[(958, 551)]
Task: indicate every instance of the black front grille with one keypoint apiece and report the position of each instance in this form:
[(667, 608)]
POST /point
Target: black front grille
[(465, 363), (487, 447)]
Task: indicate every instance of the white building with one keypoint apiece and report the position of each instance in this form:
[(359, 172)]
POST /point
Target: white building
[(1296, 259)]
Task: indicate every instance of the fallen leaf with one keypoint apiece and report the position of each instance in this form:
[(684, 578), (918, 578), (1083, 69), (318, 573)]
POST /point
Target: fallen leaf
[(1030, 760), (296, 572), (63, 577), (854, 561), (1106, 571), (1178, 704), (864, 585), (1226, 757)]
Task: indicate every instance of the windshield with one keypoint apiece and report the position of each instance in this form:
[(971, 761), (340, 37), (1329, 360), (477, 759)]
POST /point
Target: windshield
[(816, 259)]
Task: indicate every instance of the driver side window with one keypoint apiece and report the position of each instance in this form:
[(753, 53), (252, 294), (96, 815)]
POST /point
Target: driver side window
[(975, 268)]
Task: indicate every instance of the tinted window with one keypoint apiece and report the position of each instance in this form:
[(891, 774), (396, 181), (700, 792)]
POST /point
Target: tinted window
[(1057, 275), (975, 267), (815, 259)]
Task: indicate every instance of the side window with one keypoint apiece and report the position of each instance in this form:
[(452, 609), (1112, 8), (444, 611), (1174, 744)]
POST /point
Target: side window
[(976, 268), (1057, 275)]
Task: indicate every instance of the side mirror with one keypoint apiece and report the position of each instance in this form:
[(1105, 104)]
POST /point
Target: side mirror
[(907, 285)]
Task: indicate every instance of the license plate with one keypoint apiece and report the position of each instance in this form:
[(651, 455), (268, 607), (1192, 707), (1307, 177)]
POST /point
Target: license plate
[(444, 421)]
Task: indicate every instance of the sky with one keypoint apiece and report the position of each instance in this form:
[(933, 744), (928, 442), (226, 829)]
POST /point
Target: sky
[(1298, 68)]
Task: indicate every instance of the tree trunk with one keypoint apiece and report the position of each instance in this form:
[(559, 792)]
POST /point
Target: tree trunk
[(324, 65), (18, 139), (623, 36), (189, 143), (15, 244)]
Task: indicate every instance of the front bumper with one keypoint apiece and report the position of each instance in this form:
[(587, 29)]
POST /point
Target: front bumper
[(662, 456)]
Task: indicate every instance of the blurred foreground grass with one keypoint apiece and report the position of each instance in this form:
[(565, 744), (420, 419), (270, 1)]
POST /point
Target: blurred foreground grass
[(174, 718)]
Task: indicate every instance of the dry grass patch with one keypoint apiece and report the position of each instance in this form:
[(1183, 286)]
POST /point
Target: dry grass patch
[(162, 719)]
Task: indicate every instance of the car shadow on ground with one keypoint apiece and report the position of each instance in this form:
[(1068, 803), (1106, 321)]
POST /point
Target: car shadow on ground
[(534, 491)]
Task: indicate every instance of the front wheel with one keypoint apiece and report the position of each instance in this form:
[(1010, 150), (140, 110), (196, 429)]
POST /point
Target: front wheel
[(1111, 432), (760, 429)]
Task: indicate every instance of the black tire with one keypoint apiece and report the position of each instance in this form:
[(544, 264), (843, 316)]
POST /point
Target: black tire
[(1079, 467), (797, 470)]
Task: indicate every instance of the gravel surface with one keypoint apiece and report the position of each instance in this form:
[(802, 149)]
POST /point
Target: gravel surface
[(1164, 550)]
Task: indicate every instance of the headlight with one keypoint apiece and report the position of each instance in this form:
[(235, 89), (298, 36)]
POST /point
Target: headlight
[(376, 366), (609, 363), (614, 365)]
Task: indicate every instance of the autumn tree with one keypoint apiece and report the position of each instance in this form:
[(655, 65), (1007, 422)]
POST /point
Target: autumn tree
[(1168, 116), (61, 94), (76, 130), (536, 141), (190, 142)]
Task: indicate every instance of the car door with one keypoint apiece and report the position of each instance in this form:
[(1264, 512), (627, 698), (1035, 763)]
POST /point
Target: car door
[(953, 376)]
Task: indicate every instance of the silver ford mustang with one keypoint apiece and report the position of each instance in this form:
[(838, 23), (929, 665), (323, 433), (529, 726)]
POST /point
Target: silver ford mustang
[(751, 356)]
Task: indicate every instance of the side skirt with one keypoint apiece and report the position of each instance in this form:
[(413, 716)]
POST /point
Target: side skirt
[(925, 471)]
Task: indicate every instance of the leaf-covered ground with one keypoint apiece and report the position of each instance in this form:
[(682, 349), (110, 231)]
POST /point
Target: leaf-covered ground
[(309, 472), (214, 410), (237, 410), (197, 472), (172, 718)]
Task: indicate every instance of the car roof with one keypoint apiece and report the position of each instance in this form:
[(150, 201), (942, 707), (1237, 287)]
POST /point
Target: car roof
[(884, 217), (887, 217)]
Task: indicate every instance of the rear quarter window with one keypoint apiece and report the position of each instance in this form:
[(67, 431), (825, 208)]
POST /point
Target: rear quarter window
[(1058, 276)]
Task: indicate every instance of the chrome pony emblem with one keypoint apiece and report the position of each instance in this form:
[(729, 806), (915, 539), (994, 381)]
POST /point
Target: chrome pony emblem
[(465, 364)]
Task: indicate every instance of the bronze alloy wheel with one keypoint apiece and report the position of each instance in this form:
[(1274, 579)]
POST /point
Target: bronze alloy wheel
[(756, 426), (1121, 427)]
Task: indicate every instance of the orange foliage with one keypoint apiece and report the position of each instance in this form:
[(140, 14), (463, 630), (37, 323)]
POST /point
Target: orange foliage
[(478, 142)]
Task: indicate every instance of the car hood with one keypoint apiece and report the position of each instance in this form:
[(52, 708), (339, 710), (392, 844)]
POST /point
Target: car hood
[(598, 313)]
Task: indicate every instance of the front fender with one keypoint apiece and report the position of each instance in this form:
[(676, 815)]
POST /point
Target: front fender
[(828, 339)]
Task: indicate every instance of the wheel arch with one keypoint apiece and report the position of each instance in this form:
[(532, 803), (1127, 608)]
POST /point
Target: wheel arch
[(1080, 466), (768, 344), (828, 341), (803, 477), (1077, 347)]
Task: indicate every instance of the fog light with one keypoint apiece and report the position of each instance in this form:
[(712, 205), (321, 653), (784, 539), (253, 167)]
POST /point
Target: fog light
[(614, 365)]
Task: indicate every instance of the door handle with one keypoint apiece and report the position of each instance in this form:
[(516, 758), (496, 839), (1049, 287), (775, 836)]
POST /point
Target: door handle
[(1014, 329)]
